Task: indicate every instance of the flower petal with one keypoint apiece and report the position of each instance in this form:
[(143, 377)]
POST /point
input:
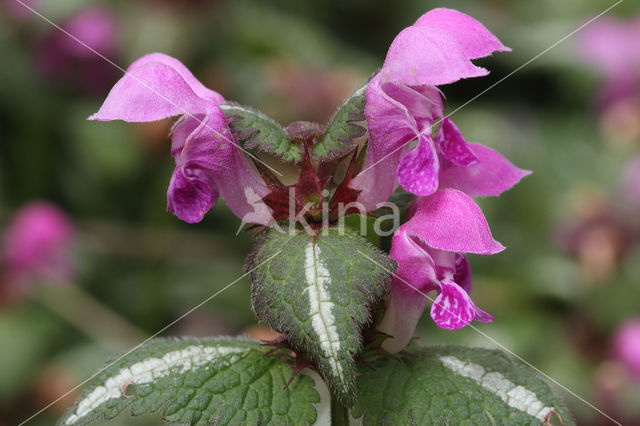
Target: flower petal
[(453, 308), (462, 276), (415, 276), (184, 72), (450, 220), (190, 197), (154, 87), (209, 147), (422, 55), (418, 168), (476, 41), (453, 146), (403, 311), (242, 189), (491, 175), (423, 104), (182, 129), (415, 264), (390, 127)]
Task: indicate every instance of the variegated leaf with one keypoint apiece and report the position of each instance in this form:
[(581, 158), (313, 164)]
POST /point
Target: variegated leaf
[(319, 291), (455, 385), (212, 381)]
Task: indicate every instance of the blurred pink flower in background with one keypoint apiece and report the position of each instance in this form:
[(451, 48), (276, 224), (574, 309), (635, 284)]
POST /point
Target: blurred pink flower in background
[(60, 57), (36, 244), (626, 345), (611, 46)]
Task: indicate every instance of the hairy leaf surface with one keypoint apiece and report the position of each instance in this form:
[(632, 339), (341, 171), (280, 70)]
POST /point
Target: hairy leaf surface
[(455, 385), (192, 381), (318, 291)]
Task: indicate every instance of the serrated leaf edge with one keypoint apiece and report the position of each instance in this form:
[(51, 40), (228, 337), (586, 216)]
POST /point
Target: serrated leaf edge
[(148, 370), (251, 140), (515, 396)]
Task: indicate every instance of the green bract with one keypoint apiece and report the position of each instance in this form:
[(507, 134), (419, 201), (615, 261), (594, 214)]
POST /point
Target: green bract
[(342, 131), (255, 130)]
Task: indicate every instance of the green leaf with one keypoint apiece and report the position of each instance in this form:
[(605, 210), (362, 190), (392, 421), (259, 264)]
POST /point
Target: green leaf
[(255, 130), (455, 385), (193, 381), (319, 290), (343, 129)]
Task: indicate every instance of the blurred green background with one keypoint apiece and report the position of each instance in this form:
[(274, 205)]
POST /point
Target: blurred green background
[(297, 60)]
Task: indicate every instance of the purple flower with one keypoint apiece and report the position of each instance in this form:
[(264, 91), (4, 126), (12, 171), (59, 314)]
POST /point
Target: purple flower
[(36, 245), (429, 249), (626, 345), (62, 57), (157, 86), (403, 103)]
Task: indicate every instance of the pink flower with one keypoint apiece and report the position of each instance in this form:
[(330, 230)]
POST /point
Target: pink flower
[(62, 57), (403, 103), (36, 245), (157, 86), (626, 345), (429, 249)]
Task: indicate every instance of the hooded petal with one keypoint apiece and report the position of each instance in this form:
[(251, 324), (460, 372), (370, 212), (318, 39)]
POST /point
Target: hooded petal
[(194, 83), (476, 41), (491, 175), (422, 55), (450, 220), (154, 87), (190, 197), (453, 308), (418, 168), (452, 145)]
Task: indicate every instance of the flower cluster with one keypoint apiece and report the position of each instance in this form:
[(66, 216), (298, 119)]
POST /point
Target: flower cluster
[(403, 107)]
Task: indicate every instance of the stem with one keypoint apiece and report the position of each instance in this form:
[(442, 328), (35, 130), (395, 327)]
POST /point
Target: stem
[(89, 315), (339, 413)]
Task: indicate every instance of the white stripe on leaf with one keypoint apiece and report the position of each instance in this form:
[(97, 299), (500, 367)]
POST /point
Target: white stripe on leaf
[(149, 370), (515, 396), (320, 307)]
